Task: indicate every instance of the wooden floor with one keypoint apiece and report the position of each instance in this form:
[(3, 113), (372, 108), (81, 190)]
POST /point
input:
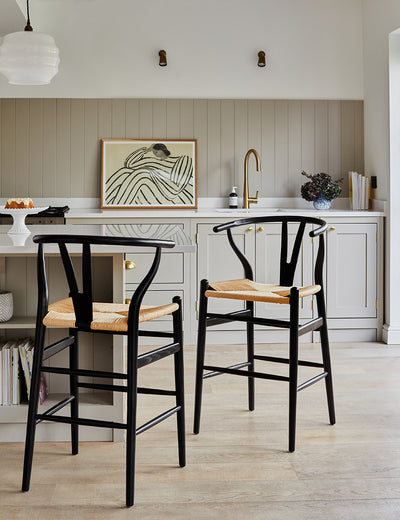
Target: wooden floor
[(238, 466)]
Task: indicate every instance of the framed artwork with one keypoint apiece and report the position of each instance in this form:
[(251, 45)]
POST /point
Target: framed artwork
[(148, 174)]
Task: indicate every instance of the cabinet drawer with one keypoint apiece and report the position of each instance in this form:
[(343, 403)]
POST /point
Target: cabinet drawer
[(170, 270)]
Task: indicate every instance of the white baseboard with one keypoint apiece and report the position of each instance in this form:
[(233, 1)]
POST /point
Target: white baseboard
[(391, 334)]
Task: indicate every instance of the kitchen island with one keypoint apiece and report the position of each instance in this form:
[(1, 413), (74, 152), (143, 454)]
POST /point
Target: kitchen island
[(116, 272)]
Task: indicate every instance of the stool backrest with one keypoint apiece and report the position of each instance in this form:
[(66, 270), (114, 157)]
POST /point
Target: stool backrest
[(287, 267), (83, 299)]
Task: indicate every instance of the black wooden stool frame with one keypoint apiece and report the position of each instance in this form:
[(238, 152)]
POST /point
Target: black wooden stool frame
[(83, 307), (287, 272)]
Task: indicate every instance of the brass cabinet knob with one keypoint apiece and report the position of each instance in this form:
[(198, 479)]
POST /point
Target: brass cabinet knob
[(128, 300), (333, 228), (129, 264), (260, 228), (250, 229)]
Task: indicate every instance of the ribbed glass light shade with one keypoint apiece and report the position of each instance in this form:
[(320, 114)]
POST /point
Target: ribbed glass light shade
[(29, 58)]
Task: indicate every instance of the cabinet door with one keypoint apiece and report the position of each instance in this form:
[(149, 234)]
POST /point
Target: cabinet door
[(351, 270), (268, 249), (217, 261)]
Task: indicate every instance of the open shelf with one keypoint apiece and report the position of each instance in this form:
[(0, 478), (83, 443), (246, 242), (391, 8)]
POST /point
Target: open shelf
[(19, 322)]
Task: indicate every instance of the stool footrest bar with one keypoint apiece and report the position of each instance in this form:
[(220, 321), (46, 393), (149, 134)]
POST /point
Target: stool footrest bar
[(81, 422), (155, 391), (312, 381), (57, 347), (157, 354), (314, 324), (157, 419), (213, 374), (83, 373), (246, 373), (56, 407), (286, 361)]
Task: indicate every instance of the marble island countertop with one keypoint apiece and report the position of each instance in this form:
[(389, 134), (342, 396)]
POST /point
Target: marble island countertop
[(23, 243), (75, 214)]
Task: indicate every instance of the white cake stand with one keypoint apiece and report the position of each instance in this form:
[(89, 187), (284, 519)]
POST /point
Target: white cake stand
[(18, 215)]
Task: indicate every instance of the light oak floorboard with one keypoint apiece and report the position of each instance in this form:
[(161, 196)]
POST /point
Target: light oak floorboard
[(238, 466)]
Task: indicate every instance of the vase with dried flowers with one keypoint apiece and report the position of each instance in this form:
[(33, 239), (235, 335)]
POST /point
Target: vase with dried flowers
[(321, 189)]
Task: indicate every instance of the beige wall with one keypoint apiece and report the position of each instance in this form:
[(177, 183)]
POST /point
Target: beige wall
[(109, 49), (51, 147)]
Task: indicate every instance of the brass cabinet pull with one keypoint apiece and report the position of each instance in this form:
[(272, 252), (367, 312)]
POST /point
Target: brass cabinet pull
[(250, 229), (128, 300), (260, 228), (333, 228), (129, 265)]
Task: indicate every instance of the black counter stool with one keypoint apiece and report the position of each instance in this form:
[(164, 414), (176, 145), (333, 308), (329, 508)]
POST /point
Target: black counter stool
[(283, 292), (79, 313)]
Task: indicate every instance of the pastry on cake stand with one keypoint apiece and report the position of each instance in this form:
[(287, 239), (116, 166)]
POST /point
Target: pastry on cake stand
[(19, 214)]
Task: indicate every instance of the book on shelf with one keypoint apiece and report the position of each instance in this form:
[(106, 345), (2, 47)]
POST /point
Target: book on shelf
[(359, 191), (16, 357), (25, 346)]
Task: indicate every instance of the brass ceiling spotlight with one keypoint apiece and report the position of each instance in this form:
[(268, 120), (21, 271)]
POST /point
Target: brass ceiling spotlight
[(261, 59), (163, 58)]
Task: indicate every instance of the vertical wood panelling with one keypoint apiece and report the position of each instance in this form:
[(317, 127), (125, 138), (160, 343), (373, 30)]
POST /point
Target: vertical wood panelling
[(77, 147), (145, 118), (92, 152), (200, 131), (159, 118), (335, 146), (118, 116), (22, 146), (214, 147), (347, 138), (241, 145), (63, 148), (227, 168), (307, 137), (294, 152), (186, 130), (268, 149), (132, 118), (8, 148), (173, 119), (281, 148), (51, 147), (321, 136), (36, 130), (254, 140), (359, 136)]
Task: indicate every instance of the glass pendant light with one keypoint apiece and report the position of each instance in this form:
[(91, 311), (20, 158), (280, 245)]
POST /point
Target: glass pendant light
[(29, 58)]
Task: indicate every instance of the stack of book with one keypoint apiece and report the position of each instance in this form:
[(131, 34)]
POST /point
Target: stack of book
[(359, 191), (16, 371)]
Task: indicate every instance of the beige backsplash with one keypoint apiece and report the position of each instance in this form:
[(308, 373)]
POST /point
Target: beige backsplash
[(51, 147)]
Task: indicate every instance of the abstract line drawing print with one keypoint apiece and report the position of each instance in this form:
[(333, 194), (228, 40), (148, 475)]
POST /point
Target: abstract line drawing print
[(152, 176)]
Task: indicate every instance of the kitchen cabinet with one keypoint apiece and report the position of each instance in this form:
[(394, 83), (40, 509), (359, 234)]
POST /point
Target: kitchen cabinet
[(353, 268)]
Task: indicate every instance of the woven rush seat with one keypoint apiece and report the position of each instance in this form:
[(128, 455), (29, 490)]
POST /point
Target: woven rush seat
[(248, 290), (106, 316)]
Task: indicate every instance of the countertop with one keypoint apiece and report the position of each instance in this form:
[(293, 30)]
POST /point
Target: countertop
[(23, 244)]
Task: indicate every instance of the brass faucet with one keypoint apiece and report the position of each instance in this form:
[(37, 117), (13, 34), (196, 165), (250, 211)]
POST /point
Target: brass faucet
[(246, 199)]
